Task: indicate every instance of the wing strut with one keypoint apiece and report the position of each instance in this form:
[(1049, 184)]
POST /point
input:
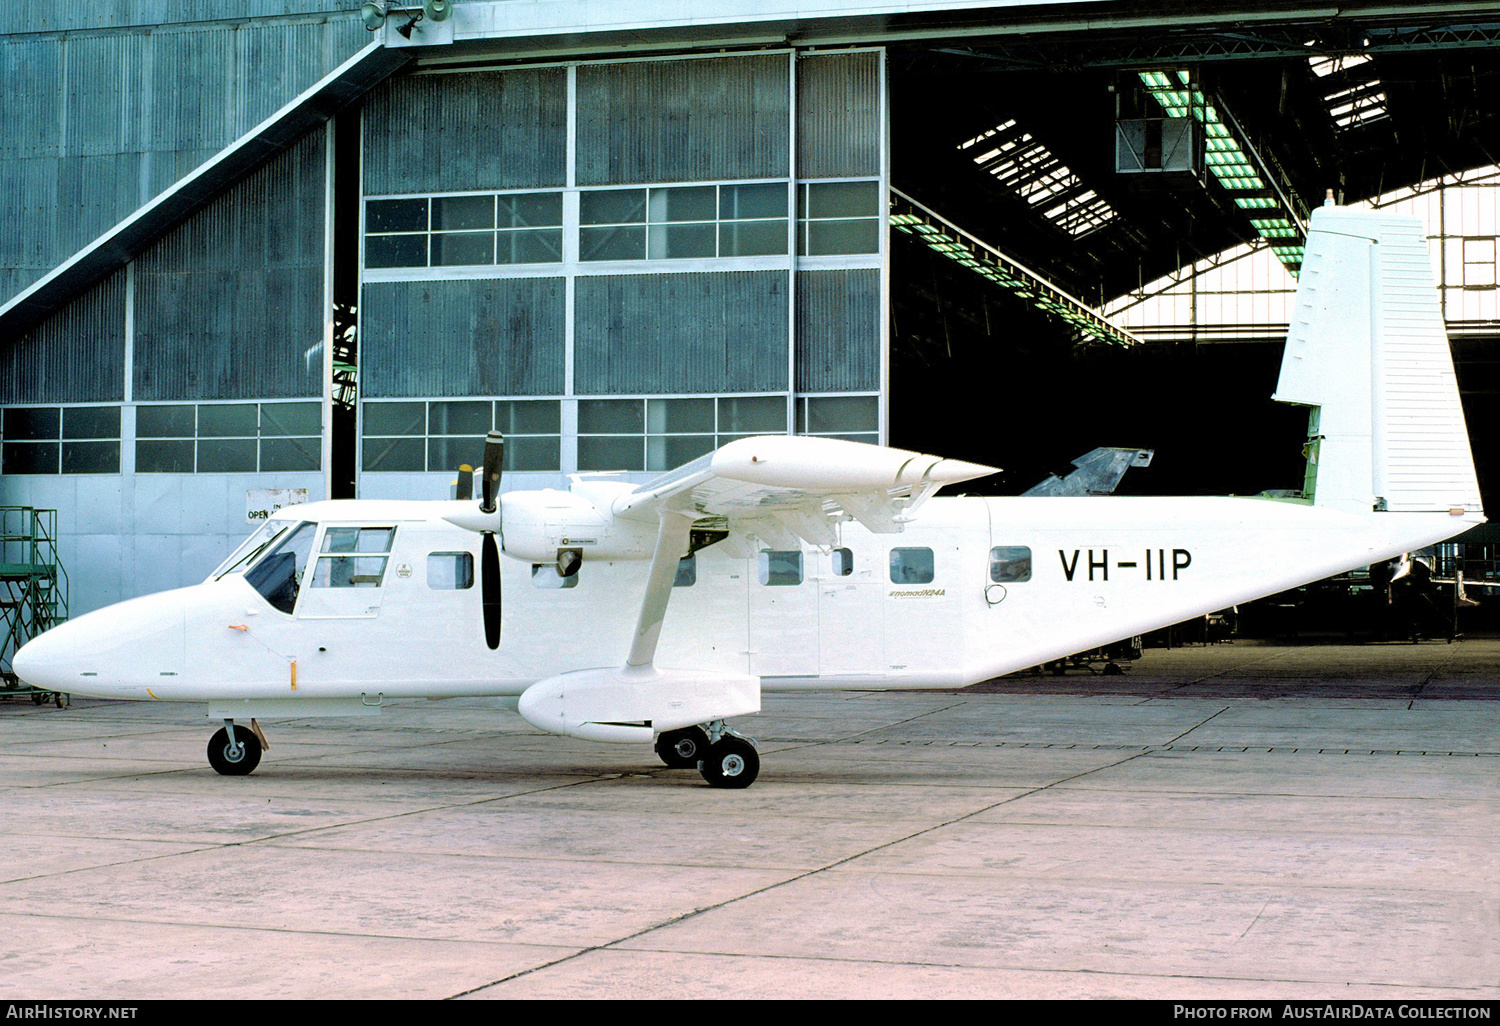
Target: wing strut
[(671, 546)]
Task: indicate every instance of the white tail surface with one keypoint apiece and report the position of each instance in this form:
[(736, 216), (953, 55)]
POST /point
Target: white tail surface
[(1367, 347)]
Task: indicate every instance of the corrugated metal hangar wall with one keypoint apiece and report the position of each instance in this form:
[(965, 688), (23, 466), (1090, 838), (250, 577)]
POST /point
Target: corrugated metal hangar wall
[(621, 264)]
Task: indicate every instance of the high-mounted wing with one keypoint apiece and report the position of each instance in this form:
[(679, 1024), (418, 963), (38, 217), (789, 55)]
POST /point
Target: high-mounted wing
[(782, 487), (778, 489)]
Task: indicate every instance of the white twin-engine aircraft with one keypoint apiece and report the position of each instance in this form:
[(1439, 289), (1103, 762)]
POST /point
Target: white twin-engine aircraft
[(659, 611)]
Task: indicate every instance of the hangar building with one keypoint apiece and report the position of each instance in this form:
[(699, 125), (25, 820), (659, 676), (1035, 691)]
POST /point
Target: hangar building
[(259, 253)]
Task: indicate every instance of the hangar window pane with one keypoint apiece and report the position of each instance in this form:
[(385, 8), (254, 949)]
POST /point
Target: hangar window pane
[(852, 417), (450, 571), (91, 457), (162, 456), (29, 458), (451, 453), (530, 210), (456, 249), (533, 453), (90, 422), (282, 419), (460, 213), (227, 456), (528, 418), (401, 215), (679, 415), (458, 418), (697, 203), (612, 206), (912, 566), (740, 202), (290, 454), (1010, 564), (237, 420), (396, 251), (166, 421), (610, 416), (395, 454), (611, 244), (681, 241), (752, 238), (779, 568), (395, 418), (32, 423), (753, 415), (671, 451), (529, 247), (619, 452)]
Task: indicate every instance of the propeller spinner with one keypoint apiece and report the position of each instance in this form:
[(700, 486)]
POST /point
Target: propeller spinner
[(489, 552)]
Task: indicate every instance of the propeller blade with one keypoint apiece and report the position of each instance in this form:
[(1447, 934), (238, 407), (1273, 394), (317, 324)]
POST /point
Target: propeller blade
[(489, 567), (465, 482), (494, 457)]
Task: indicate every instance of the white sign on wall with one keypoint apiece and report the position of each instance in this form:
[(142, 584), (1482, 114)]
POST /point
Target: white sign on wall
[(260, 503)]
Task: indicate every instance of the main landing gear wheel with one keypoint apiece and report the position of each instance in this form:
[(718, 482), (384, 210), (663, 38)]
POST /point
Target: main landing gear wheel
[(730, 762), (234, 760), (682, 749)]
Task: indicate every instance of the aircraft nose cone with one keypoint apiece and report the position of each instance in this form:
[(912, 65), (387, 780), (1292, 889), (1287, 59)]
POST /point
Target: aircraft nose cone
[(39, 662)]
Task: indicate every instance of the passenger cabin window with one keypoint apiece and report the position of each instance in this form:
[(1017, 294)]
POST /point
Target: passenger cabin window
[(450, 571), (545, 575), (1010, 564), (353, 557), (687, 572), (278, 576), (843, 562), (912, 566), (779, 568)]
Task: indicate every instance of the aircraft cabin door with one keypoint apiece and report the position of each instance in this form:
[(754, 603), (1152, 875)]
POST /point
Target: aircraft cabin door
[(851, 588), (347, 580), (783, 614)]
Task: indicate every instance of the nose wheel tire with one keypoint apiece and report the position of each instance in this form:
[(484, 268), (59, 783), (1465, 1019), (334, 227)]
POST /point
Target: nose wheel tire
[(235, 760), (682, 749), (732, 762)]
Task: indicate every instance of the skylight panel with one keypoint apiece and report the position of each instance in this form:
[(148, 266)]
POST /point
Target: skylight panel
[(1024, 165), (1356, 95)]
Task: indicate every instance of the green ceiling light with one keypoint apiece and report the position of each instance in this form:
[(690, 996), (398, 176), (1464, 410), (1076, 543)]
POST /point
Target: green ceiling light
[(1226, 158)]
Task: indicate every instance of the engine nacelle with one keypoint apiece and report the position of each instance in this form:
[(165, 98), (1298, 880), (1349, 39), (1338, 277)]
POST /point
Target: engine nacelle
[(535, 525), (634, 704)]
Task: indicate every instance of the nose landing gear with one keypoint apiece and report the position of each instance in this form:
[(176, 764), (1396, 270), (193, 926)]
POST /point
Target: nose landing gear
[(235, 753)]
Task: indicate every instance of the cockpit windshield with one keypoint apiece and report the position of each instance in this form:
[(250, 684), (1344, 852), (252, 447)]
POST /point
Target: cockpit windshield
[(278, 576), (251, 549)]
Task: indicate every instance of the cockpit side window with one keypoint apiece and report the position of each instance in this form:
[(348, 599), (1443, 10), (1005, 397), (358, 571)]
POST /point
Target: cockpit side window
[(278, 576), (251, 548), (353, 557)]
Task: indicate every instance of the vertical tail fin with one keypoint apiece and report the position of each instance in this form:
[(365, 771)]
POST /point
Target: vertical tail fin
[(1368, 350)]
